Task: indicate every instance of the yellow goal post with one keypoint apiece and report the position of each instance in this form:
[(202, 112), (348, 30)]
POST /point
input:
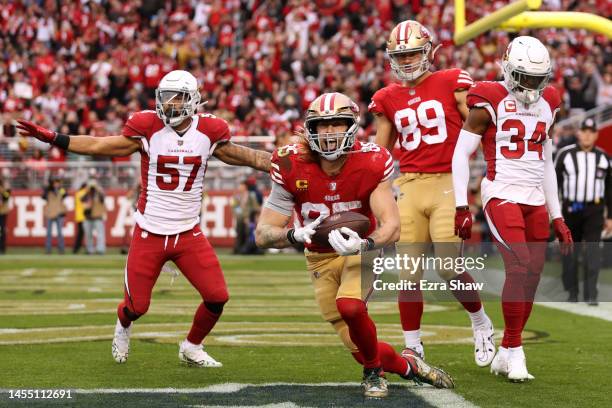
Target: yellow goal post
[(516, 16)]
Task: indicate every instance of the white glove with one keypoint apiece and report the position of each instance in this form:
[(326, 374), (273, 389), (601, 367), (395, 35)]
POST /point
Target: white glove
[(303, 234), (344, 246)]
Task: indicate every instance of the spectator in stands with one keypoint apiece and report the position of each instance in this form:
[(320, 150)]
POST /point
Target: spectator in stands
[(246, 206), (79, 217), (95, 214), (265, 57), (55, 209), (5, 195)]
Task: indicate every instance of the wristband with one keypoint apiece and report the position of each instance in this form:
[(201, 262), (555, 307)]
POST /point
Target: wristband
[(369, 244), (290, 236), (463, 208), (61, 140)]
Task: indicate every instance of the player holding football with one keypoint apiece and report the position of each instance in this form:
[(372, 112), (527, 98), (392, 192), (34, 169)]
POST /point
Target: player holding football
[(175, 144), (426, 111), (332, 173), (513, 119)]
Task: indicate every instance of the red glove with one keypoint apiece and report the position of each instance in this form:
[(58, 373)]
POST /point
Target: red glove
[(564, 235), (463, 222), (27, 128)]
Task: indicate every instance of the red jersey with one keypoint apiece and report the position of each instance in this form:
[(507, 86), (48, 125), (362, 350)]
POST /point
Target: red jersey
[(426, 118), (315, 193)]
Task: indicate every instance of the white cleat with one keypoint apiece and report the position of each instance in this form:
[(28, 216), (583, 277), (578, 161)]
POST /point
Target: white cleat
[(194, 355), (417, 350), (121, 342), (517, 365), (499, 365), (484, 345)]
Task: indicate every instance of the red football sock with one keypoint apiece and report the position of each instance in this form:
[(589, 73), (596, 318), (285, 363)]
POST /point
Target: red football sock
[(468, 298), (203, 322), (361, 329), (530, 288), (410, 304), (391, 361), (513, 309), (125, 322)]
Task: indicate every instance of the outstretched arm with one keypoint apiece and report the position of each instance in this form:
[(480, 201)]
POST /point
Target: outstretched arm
[(238, 155), (82, 144)]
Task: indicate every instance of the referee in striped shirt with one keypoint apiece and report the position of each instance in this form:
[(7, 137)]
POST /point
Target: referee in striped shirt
[(585, 182)]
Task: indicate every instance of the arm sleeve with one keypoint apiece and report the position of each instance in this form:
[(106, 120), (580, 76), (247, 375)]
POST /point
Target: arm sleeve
[(466, 145), (551, 192), (280, 200)]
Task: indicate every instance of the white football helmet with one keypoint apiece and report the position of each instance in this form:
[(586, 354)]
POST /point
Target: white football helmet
[(527, 68), (176, 97)]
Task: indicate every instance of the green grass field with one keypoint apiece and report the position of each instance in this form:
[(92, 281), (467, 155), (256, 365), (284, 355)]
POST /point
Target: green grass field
[(57, 315)]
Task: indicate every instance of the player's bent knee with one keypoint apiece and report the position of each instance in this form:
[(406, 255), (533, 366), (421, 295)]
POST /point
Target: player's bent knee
[(215, 307), (133, 315), (350, 308), (217, 296)]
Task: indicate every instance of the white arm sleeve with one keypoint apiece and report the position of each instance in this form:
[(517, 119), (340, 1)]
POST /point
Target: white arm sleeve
[(466, 145), (551, 192)]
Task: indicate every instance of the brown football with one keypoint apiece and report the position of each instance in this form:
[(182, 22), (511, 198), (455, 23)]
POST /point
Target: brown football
[(350, 219)]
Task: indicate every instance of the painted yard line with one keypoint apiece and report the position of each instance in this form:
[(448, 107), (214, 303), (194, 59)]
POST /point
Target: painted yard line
[(28, 272), (603, 311)]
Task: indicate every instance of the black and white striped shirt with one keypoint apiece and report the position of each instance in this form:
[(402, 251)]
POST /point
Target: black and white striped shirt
[(584, 176)]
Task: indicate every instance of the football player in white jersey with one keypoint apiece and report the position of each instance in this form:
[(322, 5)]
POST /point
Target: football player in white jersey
[(175, 144), (513, 119)]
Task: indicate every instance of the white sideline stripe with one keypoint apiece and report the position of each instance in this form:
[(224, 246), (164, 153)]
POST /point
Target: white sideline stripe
[(603, 311), (28, 272), (440, 398)]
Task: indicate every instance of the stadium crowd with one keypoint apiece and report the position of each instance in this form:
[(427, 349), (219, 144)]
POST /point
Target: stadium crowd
[(82, 66)]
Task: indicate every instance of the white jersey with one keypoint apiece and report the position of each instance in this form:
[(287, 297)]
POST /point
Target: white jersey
[(172, 169), (513, 144)]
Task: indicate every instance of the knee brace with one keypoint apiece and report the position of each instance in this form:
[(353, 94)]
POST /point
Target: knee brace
[(130, 315), (215, 307)]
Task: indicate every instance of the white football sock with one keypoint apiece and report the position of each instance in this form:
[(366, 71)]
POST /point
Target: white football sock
[(412, 338), (480, 319), (513, 351)]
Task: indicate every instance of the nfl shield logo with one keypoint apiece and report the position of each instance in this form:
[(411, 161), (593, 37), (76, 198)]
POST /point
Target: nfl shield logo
[(180, 142), (332, 186)]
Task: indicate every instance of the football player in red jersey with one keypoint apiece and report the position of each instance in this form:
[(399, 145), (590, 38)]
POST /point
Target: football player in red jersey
[(332, 173), (426, 111), (513, 119), (175, 144)]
